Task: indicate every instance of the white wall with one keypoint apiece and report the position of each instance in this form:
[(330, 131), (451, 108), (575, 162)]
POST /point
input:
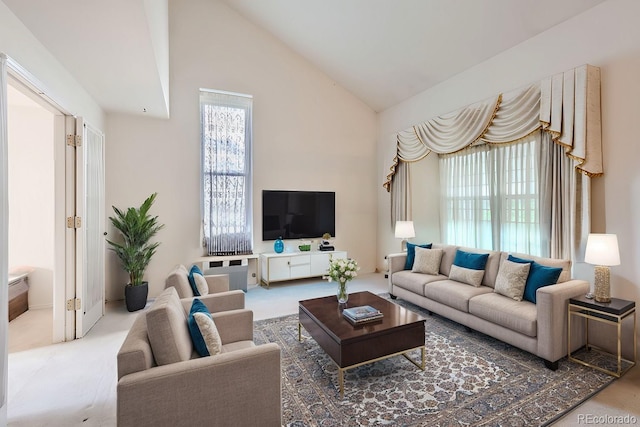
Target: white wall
[(606, 36), (309, 134), (31, 199), (17, 42)]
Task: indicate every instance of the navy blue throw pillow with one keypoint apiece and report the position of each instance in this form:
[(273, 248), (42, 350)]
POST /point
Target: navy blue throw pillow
[(192, 281), (411, 254), (539, 276), (470, 260)]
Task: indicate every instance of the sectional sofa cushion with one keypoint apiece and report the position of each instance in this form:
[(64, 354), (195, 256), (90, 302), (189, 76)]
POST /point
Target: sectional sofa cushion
[(414, 282), (167, 329), (427, 261), (411, 254), (511, 279), (519, 316), (453, 293), (539, 276), (448, 254)]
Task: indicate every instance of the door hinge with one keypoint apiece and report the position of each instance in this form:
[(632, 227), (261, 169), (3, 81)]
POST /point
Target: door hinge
[(74, 140), (73, 304), (74, 222)]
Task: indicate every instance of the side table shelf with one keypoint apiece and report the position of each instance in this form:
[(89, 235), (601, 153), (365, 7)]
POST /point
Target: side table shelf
[(611, 313)]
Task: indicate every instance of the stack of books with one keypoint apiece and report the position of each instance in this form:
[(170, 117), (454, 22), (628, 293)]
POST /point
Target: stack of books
[(362, 314)]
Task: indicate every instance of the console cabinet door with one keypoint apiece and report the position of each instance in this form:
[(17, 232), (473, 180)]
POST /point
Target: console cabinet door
[(300, 266), (319, 264), (279, 269)]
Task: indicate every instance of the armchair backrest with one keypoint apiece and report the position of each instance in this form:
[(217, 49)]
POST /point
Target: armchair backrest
[(179, 279)]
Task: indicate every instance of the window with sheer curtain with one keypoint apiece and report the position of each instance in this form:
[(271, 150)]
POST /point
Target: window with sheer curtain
[(491, 197), (226, 172)]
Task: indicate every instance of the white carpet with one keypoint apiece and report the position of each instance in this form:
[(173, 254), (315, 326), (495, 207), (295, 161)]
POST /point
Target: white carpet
[(74, 383)]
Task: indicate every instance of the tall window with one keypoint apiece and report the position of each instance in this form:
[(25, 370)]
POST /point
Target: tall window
[(491, 197), (226, 172)]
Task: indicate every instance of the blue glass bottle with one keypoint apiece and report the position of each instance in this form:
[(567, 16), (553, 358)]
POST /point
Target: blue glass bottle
[(278, 245)]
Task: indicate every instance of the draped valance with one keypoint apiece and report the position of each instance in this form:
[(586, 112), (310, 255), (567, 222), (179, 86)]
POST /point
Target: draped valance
[(566, 105)]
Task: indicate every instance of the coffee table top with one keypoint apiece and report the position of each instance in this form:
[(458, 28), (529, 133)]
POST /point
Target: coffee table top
[(328, 315)]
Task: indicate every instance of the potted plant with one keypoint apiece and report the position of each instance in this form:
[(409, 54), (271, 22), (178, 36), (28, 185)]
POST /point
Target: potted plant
[(135, 250)]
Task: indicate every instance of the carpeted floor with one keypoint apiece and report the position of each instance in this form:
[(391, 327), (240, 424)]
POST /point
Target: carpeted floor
[(470, 379)]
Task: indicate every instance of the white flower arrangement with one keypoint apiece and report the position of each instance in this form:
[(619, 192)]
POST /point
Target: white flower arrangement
[(342, 270)]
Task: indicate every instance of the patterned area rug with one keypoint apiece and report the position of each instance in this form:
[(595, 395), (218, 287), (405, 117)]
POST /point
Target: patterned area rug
[(470, 380)]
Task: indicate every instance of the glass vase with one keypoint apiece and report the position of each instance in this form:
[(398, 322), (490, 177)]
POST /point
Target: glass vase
[(343, 294), (278, 245)]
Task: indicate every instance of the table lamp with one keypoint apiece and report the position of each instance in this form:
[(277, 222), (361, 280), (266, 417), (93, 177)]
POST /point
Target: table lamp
[(602, 251), (404, 231)]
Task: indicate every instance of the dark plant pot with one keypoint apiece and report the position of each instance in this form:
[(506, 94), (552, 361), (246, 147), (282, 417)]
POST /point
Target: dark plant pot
[(136, 296)]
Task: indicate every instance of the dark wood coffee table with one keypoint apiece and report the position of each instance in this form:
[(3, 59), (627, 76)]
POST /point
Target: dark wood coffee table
[(349, 346)]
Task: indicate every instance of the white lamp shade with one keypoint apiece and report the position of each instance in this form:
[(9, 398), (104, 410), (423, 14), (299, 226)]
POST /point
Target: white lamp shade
[(404, 230), (602, 249)]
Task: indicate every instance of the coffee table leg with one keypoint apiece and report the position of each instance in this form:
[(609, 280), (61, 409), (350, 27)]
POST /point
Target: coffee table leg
[(341, 381), (299, 332), (422, 364)]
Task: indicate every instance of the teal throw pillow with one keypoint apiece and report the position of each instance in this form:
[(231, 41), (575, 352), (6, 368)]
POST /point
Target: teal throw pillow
[(192, 281), (470, 260), (411, 254), (539, 276), (197, 306)]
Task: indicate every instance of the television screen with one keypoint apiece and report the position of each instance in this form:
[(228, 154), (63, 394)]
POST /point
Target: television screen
[(298, 214)]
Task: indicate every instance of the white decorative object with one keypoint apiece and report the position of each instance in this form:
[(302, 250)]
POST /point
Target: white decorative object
[(404, 230), (602, 251)]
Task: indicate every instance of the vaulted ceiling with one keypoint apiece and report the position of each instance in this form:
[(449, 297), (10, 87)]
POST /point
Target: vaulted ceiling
[(382, 51)]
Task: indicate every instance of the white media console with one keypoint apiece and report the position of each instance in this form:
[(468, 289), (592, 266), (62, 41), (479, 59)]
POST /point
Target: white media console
[(276, 267)]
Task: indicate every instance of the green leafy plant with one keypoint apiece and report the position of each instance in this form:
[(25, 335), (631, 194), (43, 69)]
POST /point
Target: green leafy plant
[(137, 228)]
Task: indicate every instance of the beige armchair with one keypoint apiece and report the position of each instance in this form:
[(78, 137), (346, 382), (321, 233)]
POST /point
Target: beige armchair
[(163, 382), (179, 279)]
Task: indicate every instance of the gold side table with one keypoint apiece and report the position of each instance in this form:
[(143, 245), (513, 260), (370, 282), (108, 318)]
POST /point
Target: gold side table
[(610, 313)]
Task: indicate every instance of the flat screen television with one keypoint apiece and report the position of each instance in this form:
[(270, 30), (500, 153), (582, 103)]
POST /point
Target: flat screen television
[(298, 214)]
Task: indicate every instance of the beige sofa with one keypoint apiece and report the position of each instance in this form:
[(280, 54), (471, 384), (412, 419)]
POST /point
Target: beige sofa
[(162, 381), (539, 328)]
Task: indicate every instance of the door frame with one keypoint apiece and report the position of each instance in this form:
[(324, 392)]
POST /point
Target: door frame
[(64, 203)]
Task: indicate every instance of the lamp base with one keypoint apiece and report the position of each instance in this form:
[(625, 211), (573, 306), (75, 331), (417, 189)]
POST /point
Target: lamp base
[(602, 288)]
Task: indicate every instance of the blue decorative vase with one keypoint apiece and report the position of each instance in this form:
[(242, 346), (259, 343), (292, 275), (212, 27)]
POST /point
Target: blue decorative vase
[(278, 245)]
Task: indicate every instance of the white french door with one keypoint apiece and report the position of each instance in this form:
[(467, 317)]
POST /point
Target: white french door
[(89, 227), (79, 223)]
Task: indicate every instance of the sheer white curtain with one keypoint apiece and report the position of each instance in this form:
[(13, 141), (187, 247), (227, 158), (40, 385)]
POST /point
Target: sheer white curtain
[(490, 197), (226, 172), (465, 207)]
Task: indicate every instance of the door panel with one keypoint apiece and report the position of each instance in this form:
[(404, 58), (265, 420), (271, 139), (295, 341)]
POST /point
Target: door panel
[(90, 244)]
